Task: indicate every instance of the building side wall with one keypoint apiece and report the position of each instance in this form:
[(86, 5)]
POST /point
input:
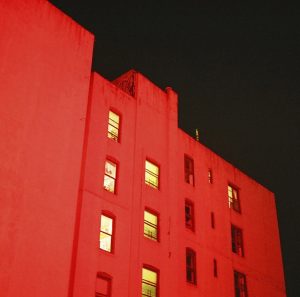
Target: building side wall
[(44, 73)]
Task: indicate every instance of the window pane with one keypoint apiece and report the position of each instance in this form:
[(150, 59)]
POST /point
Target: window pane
[(149, 275), (110, 169), (106, 224), (151, 218), (152, 168), (105, 242), (109, 184)]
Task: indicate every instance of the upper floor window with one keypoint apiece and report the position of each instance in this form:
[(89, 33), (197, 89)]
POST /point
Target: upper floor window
[(106, 233), (215, 268), (191, 266), (189, 215), (212, 220), (237, 240), (113, 126), (103, 285), (149, 283), (151, 174), (233, 198), (150, 225), (189, 170), (240, 286), (110, 176), (210, 176)]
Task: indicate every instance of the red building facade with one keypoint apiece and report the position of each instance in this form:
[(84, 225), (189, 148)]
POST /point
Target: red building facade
[(102, 194)]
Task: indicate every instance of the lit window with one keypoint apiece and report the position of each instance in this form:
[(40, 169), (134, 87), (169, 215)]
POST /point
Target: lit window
[(113, 126), (210, 176), (215, 268), (237, 240), (233, 198), (240, 286), (150, 225), (151, 174), (103, 285), (149, 283), (110, 176), (189, 170), (191, 266), (106, 233), (189, 215)]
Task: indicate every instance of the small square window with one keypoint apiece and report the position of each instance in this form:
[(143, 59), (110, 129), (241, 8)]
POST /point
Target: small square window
[(106, 233), (233, 198), (240, 285), (150, 225), (191, 266), (189, 215), (151, 174), (237, 240), (110, 176), (189, 170), (113, 126), (149, 283), (103, 285)]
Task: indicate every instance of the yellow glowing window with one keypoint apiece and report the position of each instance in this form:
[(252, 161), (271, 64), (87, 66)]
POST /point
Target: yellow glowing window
[(233, 198), (113, 126), (149, 283), (106, 233), (110, 175), (150, 225), (151, 174)]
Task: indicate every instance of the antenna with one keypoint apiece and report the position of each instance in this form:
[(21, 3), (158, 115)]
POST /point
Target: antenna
[(197, 134)]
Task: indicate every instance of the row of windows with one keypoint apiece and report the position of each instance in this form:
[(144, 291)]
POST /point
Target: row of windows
[(152, 180), (150, 279), (151, 230)]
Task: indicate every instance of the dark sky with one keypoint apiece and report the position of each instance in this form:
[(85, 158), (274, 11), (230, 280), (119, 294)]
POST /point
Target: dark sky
[(236, 68)]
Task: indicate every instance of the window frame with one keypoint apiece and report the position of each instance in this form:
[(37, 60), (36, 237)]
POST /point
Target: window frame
[(118, 137), (234, 203), (189, 171), (154, 213), (112, 235), (190, 204), (154, 163), (240, 288), (115, 179), (156, 285), (237, 241), (192, 268), (106, 277)]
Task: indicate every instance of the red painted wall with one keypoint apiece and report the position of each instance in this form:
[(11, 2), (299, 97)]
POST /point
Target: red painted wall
[(45, 62)]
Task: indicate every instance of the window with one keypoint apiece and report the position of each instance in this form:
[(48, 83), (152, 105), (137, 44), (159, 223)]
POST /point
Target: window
[(113, 126), (103, 285), (237, 240), (110, 176), (189, 170), (149, 283), (210, 176), (189, 215), (233, 198), (191, 266), (212, 220), (106, 233), (151, 174), (240, 286), (215, 268), (150, 225)]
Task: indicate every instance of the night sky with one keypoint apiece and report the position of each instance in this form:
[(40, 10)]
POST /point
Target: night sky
[(236, 69)]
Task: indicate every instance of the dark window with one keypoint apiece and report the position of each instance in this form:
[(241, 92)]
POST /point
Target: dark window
[(103, 285), (149, 282), (240, 286), (210, 176), (233, 198), (189, 170), (215, 268), (237, 240), (189, 215), (212, 220), (191, 266), (150, 225)]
